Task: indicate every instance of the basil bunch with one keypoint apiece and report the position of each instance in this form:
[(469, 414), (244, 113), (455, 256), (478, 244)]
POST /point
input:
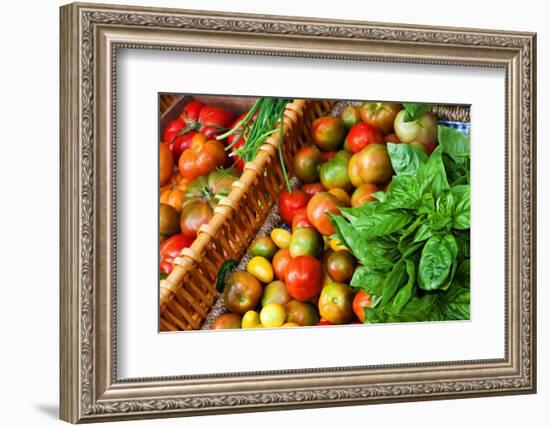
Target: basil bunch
[(413, 242)]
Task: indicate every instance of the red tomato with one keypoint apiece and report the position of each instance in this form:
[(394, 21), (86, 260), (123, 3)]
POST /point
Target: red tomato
[(311, 189), (430, 147), (300, 219), (324, 323), (304, 277), (170, 249), (361, 135), (172, 130), (360, 301), (214, 120), (328, 155), (289, 203), (392, 137), (182, 143), (191, 111), (197, 116), (201, 158), (317, 210)]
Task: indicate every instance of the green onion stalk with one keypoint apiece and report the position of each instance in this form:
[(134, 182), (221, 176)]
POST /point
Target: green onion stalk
[(256, 126)]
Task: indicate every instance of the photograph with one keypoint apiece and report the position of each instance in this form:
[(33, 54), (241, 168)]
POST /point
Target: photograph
[(361, 215), (268, 211)]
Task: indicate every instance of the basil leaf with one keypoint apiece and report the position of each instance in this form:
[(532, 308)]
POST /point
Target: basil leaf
[(351, 214), (381, 196), (394, 280), (453, 305), (436, 261), (456, 173), (355, 242), (418, 309), (405, 158), (454, 143), (369, 280), (461, 215), (415, 111), (404, 192), (368, 253), (427, 204), (406, 239), (382, 224), (375, 315), (432, 176), (404, 295), (423, 233), (462, 276)]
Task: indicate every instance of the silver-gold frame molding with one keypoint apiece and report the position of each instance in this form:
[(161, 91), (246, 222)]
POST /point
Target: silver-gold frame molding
[(90, 37)]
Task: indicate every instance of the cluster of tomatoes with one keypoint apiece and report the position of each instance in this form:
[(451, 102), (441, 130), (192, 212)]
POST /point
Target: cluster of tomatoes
[(192, 178), (301, 277)]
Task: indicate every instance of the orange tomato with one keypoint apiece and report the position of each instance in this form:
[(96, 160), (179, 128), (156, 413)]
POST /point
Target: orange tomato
[(166, 163), (173, 193), (363, 194), (317, 209), (202, 157), (280, 263)]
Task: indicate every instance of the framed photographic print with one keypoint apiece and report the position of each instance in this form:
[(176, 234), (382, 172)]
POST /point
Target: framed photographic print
[(267, 212)]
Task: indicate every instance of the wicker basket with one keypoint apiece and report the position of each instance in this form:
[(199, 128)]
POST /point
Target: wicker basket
[(188, 293)]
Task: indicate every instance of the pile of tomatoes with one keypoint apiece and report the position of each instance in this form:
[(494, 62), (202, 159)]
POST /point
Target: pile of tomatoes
[(196, 171), (300, 274)]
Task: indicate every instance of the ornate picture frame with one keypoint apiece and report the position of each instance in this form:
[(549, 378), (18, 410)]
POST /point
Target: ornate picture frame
[(90, 37)]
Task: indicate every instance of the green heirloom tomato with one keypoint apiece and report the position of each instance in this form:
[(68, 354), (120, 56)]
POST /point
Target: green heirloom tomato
[(340, 266), (306, 241), (306, 164), (263, 246), (328, 132), (350, 116), (374, 165), (302, 313), (380, 114), (334, 173), (335, 303), (242, 292)]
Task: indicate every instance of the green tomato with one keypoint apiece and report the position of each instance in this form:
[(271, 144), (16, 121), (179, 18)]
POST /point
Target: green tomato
[(306, 241), (263, 246), (306, 164), (334, 173), (350, 116)]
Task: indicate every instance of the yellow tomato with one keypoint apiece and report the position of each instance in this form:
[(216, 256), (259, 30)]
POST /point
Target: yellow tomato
[(336, 245), (273, 315), (342, 196), (281, 237), (261, 269), (289, 325), (251, 319)]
